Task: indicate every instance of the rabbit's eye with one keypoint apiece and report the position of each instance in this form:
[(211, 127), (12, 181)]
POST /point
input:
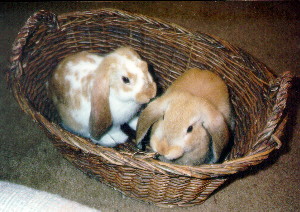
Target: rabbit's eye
[(189, 129), (126, 80)]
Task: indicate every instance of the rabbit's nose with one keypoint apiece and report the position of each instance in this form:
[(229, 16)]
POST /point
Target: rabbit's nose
[(174, 152)]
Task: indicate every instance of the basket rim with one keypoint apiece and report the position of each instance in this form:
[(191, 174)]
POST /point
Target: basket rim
[(121, 12), (137, 160)]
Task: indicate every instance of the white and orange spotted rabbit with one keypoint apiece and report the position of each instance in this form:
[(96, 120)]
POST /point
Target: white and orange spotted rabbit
[(95, 95)]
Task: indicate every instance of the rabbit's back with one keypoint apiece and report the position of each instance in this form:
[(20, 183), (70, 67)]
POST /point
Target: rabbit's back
[(207, 85), (70, 89)]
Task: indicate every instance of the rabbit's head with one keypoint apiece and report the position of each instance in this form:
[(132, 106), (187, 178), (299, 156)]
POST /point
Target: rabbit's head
[(130, 78), (123, 75), (186, 129)]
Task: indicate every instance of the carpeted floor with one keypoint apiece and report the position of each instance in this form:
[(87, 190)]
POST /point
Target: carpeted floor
[(267, 30)]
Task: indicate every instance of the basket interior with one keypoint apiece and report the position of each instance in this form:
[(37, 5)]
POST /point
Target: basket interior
[(169, 51)]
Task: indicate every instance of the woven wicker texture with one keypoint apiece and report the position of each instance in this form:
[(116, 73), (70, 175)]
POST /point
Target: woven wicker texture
[(258, 98)]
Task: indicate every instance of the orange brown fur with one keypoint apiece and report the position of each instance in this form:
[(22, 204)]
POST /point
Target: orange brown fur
[(201, 83), (198, 98)]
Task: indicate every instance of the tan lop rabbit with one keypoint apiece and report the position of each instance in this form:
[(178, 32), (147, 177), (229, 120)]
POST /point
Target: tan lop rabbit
[(95, 95), (190, 120)]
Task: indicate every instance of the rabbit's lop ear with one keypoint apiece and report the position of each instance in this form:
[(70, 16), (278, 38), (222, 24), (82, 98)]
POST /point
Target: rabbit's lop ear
[(151, 114), (217, 128), (100, 116)]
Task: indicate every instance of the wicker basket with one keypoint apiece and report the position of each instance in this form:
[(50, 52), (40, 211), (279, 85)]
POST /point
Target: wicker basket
[(258, 98)]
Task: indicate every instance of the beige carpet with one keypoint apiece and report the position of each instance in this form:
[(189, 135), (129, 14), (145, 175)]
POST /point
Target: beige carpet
[(267, 30)]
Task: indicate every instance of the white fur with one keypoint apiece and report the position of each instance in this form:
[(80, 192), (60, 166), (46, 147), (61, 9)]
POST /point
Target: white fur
[(113, 137), (133, 122), (122, 111)]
